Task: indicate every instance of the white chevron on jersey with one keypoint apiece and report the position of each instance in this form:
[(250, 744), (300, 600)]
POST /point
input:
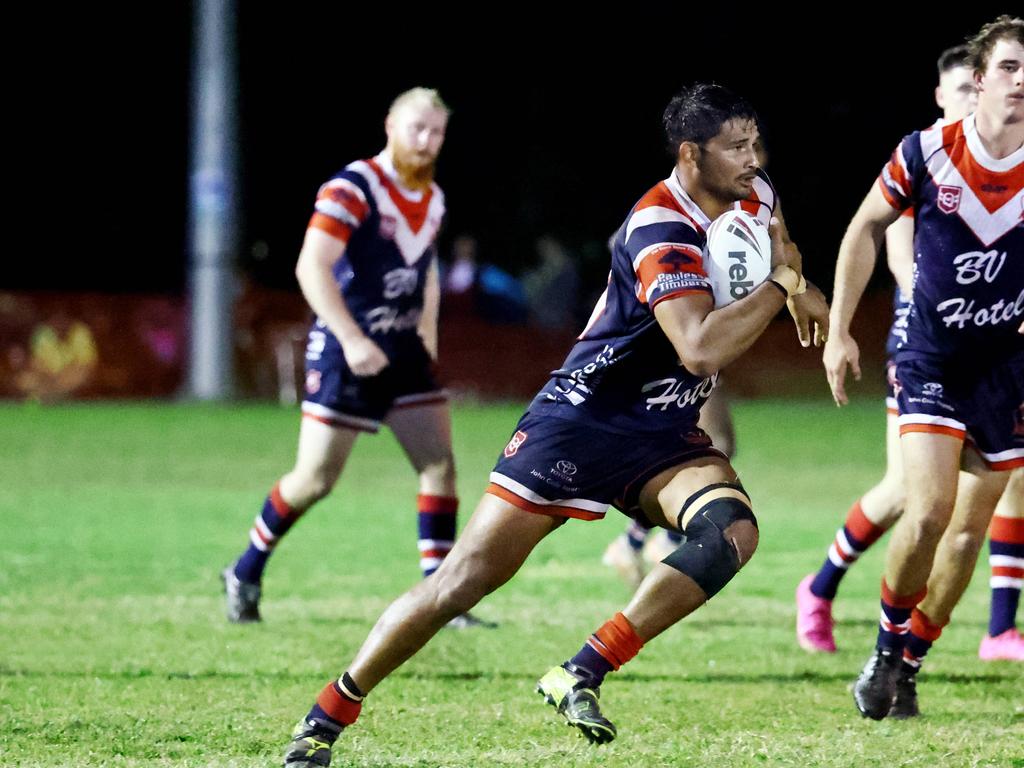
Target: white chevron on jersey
[(987, 227), (412, 245)]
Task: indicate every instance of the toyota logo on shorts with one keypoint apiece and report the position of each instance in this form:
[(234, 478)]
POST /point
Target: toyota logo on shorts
[(566, 467)]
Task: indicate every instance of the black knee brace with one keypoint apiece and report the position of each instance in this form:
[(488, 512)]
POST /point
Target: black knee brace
[(705, 556)]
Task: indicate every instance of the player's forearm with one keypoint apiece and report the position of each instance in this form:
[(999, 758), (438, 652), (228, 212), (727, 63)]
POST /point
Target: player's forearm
[(899, 250), (322, 293), (857, 254), (725, 334), (428, 329)]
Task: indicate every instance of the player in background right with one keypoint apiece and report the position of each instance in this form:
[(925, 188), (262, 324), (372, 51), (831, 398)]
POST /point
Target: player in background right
[(880, 507), (960, 371)]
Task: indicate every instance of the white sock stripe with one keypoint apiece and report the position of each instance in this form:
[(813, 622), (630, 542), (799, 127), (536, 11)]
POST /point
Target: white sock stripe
[(430, 562), (835, 559), (257, 541), (890, 626), (1005, 561), (268, 534), (851, 552), (347, 692), (1005, 582), (425, 544)]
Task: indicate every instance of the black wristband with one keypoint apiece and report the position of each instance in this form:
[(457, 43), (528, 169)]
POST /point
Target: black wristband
[(785, 293)]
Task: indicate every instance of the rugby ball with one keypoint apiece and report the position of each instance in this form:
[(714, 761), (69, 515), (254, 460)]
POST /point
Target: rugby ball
[(737, 256)]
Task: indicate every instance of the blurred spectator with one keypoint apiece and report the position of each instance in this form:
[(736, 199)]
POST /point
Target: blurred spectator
[(553, 286)]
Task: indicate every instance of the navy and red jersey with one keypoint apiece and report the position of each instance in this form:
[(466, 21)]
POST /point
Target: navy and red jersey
[(968, 295), (389, 234), (623, 373), (898, 330)]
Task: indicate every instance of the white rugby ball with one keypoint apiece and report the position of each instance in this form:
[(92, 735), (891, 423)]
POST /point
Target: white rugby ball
[(738, 256)]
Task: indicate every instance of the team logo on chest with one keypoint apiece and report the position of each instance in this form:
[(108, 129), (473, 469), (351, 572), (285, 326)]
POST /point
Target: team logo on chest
[(948, 198)]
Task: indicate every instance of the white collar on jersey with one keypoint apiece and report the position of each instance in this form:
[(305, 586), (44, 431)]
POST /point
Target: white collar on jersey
[(981, 155), (691, 208), (386, 165)]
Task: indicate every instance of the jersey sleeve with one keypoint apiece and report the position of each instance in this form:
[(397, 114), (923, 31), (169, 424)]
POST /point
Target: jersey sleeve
[(666, 252), (341, 207), (897, 177)]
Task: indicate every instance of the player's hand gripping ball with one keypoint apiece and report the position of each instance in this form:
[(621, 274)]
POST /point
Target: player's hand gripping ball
[(738, 256)]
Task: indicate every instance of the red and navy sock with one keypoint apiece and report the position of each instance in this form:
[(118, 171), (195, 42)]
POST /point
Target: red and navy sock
[(273, 522), (923, 632), (1006, 559), (338, 704), (611, 646), (856, 535), (894, 625), (437, 516)]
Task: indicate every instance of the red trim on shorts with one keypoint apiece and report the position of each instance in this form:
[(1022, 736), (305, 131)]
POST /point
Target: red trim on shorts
[(901, 601), (1009, 530), (427, 401), (892, 411), (338, 423), (551, 510), (1002, 466), (934, 429)]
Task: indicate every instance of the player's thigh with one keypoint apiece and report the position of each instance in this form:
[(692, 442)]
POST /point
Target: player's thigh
[(1011, 504), (663, 496), (424, 432), (716, 420), (977, 495), (323, 449), (931, 463), (893, 451), (493, 546)]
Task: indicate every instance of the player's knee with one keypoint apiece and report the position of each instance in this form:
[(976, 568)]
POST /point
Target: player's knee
[(721, 536), (965, 545), (456, 590), (928, 526)]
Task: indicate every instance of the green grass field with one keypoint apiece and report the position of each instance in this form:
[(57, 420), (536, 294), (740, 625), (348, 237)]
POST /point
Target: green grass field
[(116, 520)]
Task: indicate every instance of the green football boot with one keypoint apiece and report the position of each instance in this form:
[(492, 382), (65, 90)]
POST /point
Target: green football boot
[(570, 693)]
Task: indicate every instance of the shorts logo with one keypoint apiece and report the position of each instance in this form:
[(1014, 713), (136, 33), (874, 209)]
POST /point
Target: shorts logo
[(313, 381), (513, 445), (949, 198), (932, 389), (388, 226), (566, 467)]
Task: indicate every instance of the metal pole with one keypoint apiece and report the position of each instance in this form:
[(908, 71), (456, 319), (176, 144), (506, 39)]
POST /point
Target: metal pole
[(213, 200)]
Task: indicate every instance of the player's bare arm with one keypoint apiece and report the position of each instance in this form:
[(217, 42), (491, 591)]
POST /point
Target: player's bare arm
[(809, 309), (320, 252), (857, 254), (705, 340), (899, 252), (431, 310)]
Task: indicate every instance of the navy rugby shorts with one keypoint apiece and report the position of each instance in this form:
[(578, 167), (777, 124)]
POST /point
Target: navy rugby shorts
[(334, 395), (568, 468), (983, 404)]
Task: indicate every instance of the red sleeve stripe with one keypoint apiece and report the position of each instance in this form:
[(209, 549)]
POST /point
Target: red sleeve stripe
[(331, 226), (346, 185), (888, 195), (660, 249)]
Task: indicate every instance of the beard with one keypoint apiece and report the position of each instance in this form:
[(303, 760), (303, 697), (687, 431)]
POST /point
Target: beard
[(413, 170)]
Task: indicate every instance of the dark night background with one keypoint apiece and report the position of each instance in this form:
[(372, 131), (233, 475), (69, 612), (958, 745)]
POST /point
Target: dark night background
[(556, 127)]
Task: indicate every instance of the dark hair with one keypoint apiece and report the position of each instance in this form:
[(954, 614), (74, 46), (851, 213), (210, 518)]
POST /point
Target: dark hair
[(980, 46), (698, 112), (957, 56)]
